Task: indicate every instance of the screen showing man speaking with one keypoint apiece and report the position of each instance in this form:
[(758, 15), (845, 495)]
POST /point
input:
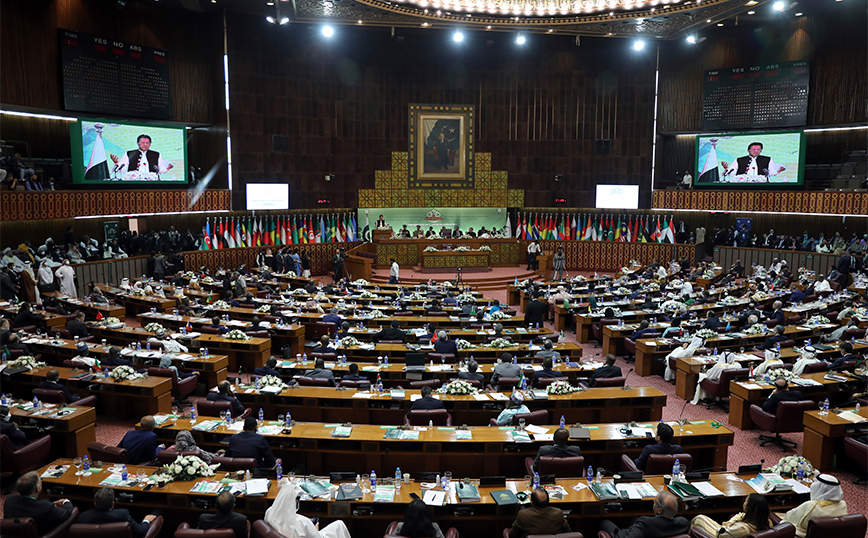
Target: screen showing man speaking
[(746, 159), (128, 153)]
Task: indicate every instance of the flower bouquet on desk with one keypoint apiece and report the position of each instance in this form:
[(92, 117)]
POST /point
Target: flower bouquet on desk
[(705, 334), (25, 361), (457, 387), (579, 278), (365, 294), (375, 313), (359, 282), (672, 305), (189, 274), (776, 373), (207, 280), (484, 248), (186, 468), (675, 283), (236, 334), (709, 273), (789, 466), (562, 387), (416, 296), (496, 316), (290, 274), (500, 343), (430, 249), (112, 322), (817, 320), (462, 248), (264, 309), (137, 292), (154, 327), (756, 329), (463, 344), (349, 341), (651, 287), (124, 373), (465, 297), (622, 291), (760, 296), (298, 291), (219, 305), (271, 384), (729, 300), (861, 313), (602, 311)]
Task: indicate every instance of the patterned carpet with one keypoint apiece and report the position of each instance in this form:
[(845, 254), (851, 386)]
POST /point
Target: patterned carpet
[(745, 451)]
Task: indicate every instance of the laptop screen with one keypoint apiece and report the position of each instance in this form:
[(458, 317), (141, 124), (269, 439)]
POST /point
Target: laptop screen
[(415, 359)]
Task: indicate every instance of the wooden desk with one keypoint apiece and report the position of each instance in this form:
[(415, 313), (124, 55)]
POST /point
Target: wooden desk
[(487, 519), (312, 444), (320, 404), (251, 353), (133, 304), (125, 399), (824, 437), (449, 259), (90, 309), (741, 397), (52, 320), (70, 434), (480, 354)]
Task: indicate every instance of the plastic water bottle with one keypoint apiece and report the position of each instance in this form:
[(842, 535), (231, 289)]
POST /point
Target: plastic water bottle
[(514, 360), (261, 415), (808, 342), (288, 420), (523, 383), (620, 322), (444, 483), (386, 360), (279, 471), (304, 357), (373, 479), (148, 345), (3, 356), (535, 480), (590, 474), (398, 478), (676, 468), (86, 463), (3, 399), (715, 352), (778, 347), (35, 403), (826, 406), (207, 353), (124, 473), (800, 474), (193, 414), (563, 421), (852, 341)]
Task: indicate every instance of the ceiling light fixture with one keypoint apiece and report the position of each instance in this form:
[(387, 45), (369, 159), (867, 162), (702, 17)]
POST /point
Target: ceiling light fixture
[(638, 44), (458, 37), (328, 31), (779, 6), (691, 39), (520, 40)]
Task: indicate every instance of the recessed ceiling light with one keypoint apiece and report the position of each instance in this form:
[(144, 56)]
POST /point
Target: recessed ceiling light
[(799, 14), (779, 6), (638, 44), (520, 40), (488, 27), (359, 21), (328, 31), (458, 37), (424, 24), (691, 39), (707, 20), (751, 12), (550, 30), (720, 24)]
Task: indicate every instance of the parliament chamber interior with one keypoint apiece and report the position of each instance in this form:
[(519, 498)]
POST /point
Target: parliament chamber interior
[(433, 268)]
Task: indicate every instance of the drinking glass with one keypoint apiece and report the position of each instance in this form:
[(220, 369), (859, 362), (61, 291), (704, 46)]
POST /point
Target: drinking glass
[(175, 410), (521, 422), (448, 476), (281, 419), (143, 474), (77, 463), (741, 350), (527, 482), (366, 483)]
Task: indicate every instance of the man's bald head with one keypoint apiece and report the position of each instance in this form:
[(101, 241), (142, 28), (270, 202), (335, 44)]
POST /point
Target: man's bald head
[(539, 498), (148, 423), (666, 504), (781, 383)]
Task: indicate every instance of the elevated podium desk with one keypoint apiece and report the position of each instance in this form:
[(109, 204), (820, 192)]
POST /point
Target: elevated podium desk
[(490, 452), (366, 519), (471, 261), (411, 252), (322, 404), (824, 436)]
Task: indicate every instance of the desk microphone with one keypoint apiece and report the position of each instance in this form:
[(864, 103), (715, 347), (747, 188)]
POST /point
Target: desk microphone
[(626, 386), (681, 417)]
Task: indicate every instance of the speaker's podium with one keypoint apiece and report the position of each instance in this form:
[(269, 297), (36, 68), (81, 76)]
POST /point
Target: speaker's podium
[(380, 234)]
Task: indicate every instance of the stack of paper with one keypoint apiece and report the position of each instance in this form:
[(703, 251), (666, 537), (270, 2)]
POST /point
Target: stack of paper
[(434, 498), (852, 417)]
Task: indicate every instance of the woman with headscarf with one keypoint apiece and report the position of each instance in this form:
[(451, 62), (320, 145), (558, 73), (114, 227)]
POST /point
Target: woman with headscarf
[(283, 516), (166, 362), (827, 500), (754, 518), (514, 407), (184, 442)]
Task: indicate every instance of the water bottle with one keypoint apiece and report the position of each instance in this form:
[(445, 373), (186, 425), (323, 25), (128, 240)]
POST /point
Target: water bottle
[(257, 384), (124, 473), (514, 360), (852, 342), (288, 420), (590, 474), (386, 360), (193, 414), (304, 357), (676, 468), (373, 479), (444, 483), (35, 403), (344, 358), (380, 387), (3, 399), (279, 471), (808, 342), (86, 463), (207, 353), (563, 421), (620, 322), (398, 478), (778, 347), (826, 406), (715, 352), (535, 480), (523, 383), (4, 356), (800, 474), (261, 415), (767, 379)]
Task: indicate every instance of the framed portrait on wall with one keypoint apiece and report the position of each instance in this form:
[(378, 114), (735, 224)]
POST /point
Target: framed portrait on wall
[(442, 141)]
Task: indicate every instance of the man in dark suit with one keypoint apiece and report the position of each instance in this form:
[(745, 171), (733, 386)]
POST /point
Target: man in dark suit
[(450, 299), (10, 429), (225, 518), (224, 394), (558, 450), (444, 345), (249, 444), (345, 330), (608, 370), (333, 317), (663, 523), (546, 371), (847, 355), (751, 311), (27, 317), (353, 374), (268, 369), (50, 383), (14, 342), (641, 331), (105, 512), (540, 518), (392, 332), (535, 312), (325, 345), (320, 371), (772, 342), (47, 514), (142, 444), (711, 321), (76, 327), (471, 373), (797, 296), (782, 393), (778, 314), (5, 332), (846, 265), (115, 359), (663, 446), (427, 401)]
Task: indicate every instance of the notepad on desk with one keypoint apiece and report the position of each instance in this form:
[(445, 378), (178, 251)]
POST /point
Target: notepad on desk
[(434, 498)]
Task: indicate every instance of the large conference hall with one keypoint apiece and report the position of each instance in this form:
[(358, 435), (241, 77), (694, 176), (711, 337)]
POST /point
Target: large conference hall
[(434, 268)]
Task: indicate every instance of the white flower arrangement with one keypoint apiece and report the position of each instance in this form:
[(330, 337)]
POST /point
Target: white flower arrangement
[(652, 286), (579, 278), (365, 294), (186, 468), (376, 313), (236, 334), (500, 343), (526, 282), (760, 272), (457, 387), (349, 341), (271, 381), (729, 300), (264, 309), (705, 334), (860, 312), (760, 296), (25, 361), (484, 248), (756, 329), (465, 297), (207, 280), (462, 248), (189, 274), (623, 291), (291, 274), (672, 305), (789, 466), (298, 291), (137, 292), (219, 305), (416, 296), (775, 373), (447, 284), (496, 316), (709, 274), (124, 373), (463, 344), (615, 311), (561, 387), (676, 283), (111, 320), (818, 320), (625, 270), (154, 327), (359, 282), (430, 249)]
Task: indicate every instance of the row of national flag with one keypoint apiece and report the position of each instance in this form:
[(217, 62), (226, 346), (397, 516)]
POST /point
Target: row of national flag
[(232, 232), (578, 227)]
